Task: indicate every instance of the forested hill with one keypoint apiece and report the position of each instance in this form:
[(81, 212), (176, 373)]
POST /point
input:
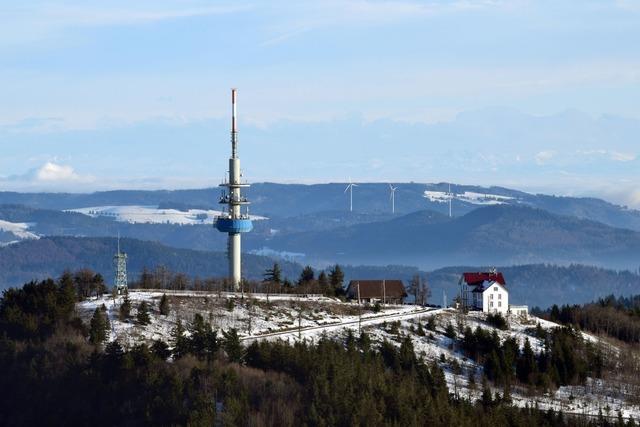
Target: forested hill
[(498, 235), (537, 285), (290, 200), (49, 257)]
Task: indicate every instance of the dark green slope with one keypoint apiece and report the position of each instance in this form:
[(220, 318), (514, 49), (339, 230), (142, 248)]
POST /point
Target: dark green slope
[(49, 257)]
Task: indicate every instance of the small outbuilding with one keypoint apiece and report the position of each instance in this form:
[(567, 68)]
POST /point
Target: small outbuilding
[(371, 291)]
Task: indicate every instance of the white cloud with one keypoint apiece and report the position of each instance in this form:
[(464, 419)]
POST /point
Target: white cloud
[(617, 156), (543, 157), (52, 172), (622, 157), (51, 176)]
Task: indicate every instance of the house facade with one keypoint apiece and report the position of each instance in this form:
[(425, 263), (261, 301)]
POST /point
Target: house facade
[(487, 292), (484, 291), (495, 299)]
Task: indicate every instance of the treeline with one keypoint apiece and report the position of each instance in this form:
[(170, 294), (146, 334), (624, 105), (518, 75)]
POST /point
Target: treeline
[(53, 375), (329, 283), (615, 317), (566, 358), (39, 259)]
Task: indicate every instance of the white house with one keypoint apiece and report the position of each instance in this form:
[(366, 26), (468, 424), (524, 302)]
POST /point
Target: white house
[(495, 298), (487, 291)]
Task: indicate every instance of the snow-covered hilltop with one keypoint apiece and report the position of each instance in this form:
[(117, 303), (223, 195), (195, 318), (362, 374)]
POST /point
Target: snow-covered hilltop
[(13, 232), (153, 214), (468, 197), (291, 318)]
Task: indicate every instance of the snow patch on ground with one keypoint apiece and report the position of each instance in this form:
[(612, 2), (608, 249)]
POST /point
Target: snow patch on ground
[(268, 252), (19, 229), (291, 318), (468, 197), (153, 215)]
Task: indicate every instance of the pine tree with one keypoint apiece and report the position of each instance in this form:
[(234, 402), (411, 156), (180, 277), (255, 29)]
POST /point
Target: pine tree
[(179, 341), (323, 281), (125, 308), (107, 324), (273, 275), (67, 295), (98, 285), (198, 331), (526, 366), (164, 305), (232, 345), (306, 276), (486, 399), (143, 314), (450, 331), (97, 331), (336, 278), (161, 349)]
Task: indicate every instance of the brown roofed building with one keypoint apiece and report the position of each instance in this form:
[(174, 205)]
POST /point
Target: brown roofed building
[(369, 291)]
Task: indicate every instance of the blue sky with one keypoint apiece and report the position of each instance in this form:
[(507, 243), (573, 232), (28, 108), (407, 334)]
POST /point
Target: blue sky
[(538, 95)]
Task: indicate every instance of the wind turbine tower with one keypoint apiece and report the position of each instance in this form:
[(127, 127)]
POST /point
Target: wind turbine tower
[(393, 198), (450, 199), (234, 222), (350, 190)]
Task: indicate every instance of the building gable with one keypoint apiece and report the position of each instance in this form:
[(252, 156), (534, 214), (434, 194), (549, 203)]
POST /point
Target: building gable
[(376, 289)]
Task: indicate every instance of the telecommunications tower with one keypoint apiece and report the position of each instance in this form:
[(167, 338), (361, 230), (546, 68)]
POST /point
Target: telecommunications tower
[(234, 222), (120, 262)]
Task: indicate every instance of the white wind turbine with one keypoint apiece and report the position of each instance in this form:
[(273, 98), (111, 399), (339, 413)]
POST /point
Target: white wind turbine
[(392, 196), (450, 199), (350, 189)]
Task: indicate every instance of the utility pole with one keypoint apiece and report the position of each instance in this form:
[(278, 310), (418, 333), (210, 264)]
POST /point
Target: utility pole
[(384, 292)]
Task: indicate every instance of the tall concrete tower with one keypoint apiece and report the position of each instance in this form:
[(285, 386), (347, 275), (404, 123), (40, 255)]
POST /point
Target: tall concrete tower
[(234, 222)]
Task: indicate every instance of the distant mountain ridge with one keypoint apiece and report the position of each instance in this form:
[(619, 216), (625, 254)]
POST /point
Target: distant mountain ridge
[(539, 284), (498, 234), (292, 200), (503, 234)]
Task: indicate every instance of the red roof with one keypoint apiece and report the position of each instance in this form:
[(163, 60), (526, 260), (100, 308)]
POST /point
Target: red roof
[(477, 278)]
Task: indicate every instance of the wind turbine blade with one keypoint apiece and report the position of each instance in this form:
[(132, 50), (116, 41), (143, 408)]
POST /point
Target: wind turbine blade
[(347, 189)]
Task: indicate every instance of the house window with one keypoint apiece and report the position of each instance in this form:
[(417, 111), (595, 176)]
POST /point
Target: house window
[(491, 296), (491, 304), (499, 296), (495, 289), (499, 303)]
